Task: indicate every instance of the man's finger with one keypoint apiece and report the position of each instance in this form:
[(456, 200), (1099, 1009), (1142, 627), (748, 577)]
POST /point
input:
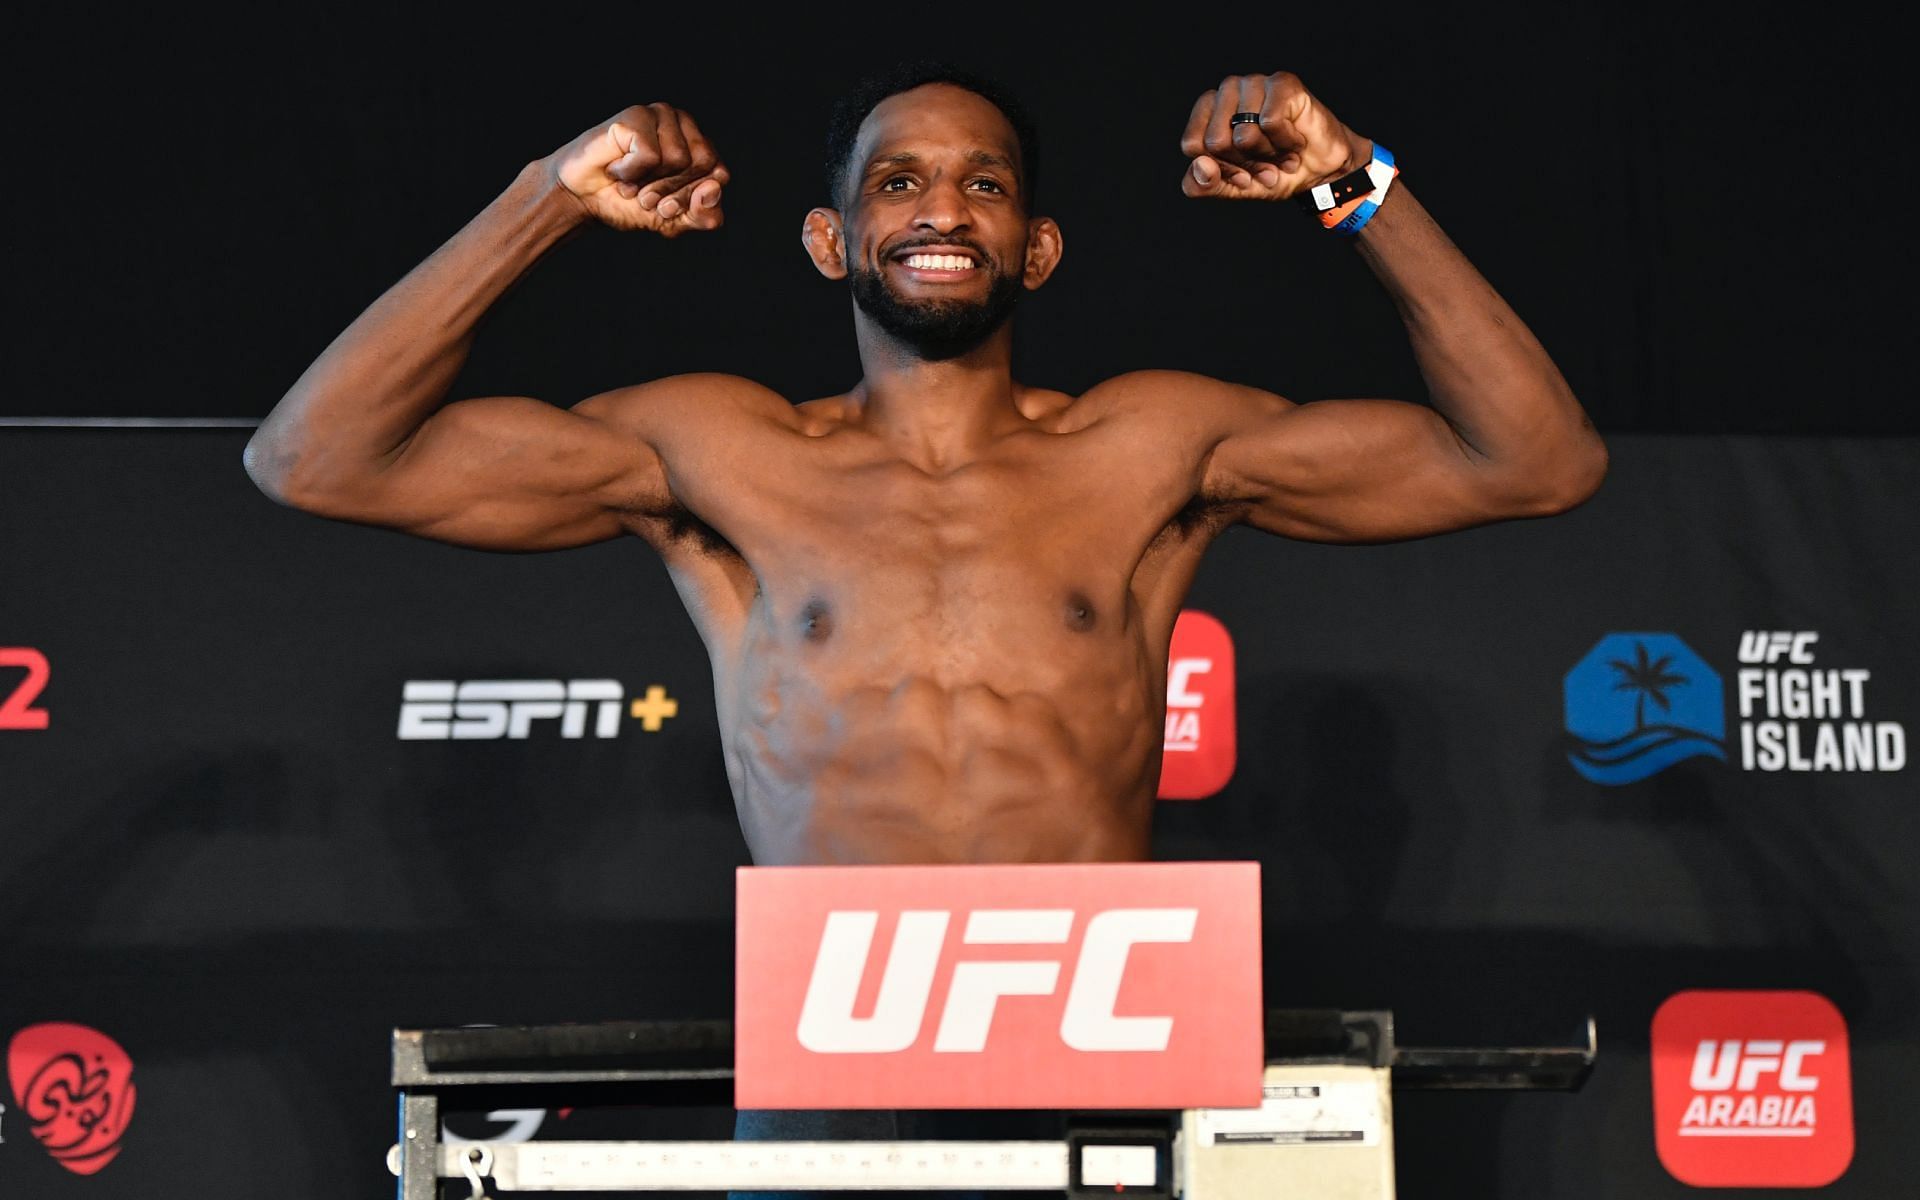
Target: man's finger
[(1249, 138), (684, 201), (674, 156), (704, 201), (1277, 117), (703, 157), (1204, 177), (1218, 140), (703, 165), (632, 138)]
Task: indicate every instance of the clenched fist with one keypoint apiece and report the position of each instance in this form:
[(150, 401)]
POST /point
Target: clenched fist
[(1296, 145), (649, 167)]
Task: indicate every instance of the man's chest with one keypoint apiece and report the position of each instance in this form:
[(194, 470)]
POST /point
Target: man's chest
[(1053, 498)]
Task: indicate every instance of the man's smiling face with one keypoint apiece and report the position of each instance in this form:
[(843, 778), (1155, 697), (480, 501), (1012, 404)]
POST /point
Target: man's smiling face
[(936, 219)]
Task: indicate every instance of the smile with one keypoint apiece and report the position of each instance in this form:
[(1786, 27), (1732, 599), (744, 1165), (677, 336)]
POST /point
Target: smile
[(939, 262)]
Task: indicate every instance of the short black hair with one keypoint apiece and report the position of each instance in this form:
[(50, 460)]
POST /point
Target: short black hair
[(843, 127)]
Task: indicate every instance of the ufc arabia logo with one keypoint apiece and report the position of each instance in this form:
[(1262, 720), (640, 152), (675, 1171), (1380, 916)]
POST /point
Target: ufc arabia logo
[(1184, 704), (1752, 1089), (965, 1014), (1198, 742)]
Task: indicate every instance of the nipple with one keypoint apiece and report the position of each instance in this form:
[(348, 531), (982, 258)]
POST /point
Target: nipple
[(816, 623), (1080, 616)]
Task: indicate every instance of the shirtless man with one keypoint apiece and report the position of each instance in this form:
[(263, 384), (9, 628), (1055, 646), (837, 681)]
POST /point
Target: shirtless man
[(938, 606)]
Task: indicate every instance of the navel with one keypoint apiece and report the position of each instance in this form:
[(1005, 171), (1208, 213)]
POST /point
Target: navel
[(1080, 616), (816, 623)]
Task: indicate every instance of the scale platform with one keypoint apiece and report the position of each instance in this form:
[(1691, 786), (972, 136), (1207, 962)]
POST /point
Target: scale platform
[(1325, 1126)]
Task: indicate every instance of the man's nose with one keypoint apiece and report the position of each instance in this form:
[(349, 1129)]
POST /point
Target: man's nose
[(942, 209)]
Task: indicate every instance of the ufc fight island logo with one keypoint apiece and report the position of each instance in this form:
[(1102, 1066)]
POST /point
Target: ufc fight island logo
[(1042, 986), (1638, 703), (488, 709), (1752, 1089), (1795, 716)]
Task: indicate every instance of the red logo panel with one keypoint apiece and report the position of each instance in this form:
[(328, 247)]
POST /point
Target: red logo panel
[(1197, 754), (1109, 985), (1752, 1089), (75, 1086)]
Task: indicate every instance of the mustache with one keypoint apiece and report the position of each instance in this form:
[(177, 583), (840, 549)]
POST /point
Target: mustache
[(979, 252)]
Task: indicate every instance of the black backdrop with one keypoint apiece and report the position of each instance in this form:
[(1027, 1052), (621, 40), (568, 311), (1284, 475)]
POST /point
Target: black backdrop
[(1697, 212), (219, 853)]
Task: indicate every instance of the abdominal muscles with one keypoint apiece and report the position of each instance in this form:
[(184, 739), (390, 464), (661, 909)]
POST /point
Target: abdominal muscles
[(866, 741)]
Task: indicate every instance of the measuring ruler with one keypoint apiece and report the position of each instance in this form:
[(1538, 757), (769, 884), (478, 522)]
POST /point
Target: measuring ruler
[(804, 1166)]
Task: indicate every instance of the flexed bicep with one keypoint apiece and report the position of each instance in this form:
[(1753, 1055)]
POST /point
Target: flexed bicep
[(513, 473), (494, 473), (1354, 471)]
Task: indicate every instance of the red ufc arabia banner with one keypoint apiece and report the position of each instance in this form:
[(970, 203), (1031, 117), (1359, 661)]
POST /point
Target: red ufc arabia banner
[(1084, 985), (1752, 1089), (1198, 749)]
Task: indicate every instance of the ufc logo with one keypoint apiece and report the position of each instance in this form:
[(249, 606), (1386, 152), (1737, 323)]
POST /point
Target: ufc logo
[(1180, 676), (480, 709), (1759, 645), (1087, 1022), (1720, 1066), (1183, 704)]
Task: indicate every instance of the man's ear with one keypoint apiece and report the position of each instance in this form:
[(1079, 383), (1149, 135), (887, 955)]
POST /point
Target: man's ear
[(826, 242), (1044, 247)]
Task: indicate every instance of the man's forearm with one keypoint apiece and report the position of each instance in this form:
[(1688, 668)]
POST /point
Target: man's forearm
[(1489, 376), (387, 372)]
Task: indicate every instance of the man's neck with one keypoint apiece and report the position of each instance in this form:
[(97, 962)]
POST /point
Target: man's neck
[(942, 415)]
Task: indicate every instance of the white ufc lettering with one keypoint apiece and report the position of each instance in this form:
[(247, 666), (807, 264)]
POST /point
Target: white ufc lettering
[(1089, 1023), (827, 1024), (1179, 682), (1769, 646), (484, 709), (1737, 1065)]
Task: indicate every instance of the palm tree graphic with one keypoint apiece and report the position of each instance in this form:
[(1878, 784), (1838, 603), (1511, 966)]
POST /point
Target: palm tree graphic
[(1649, 678)]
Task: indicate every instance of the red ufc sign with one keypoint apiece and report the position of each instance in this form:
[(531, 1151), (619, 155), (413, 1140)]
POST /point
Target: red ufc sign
[(1197, 751), (1085, 985), (1752, 1089)]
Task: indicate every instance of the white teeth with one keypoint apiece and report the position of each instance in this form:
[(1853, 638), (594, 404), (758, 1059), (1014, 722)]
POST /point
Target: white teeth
[(939, 262)]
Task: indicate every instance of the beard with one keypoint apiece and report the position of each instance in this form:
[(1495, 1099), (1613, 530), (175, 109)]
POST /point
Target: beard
[(936, 329)]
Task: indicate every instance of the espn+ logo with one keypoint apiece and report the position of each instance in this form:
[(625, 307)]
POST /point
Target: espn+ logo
[(1087, 1020), (1752, 1089), (489, 709)]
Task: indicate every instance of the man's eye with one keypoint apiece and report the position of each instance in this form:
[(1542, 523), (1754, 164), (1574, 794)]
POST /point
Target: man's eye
[(990, 184), (902, 180)]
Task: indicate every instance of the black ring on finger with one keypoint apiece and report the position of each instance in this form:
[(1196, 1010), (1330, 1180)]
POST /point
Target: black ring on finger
[(1243, 118)]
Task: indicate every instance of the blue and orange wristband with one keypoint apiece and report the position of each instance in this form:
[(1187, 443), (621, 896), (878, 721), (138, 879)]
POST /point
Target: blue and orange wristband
[(1345, 205)]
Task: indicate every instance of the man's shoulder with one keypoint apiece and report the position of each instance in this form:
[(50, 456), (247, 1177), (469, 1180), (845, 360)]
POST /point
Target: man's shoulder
[(693, 397), (1172, 394)]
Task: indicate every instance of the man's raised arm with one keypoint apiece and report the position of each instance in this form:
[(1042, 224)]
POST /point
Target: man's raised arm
[(363, 436), (1505, 436)]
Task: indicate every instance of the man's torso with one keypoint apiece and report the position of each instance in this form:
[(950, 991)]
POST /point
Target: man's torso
[(957, 665)]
